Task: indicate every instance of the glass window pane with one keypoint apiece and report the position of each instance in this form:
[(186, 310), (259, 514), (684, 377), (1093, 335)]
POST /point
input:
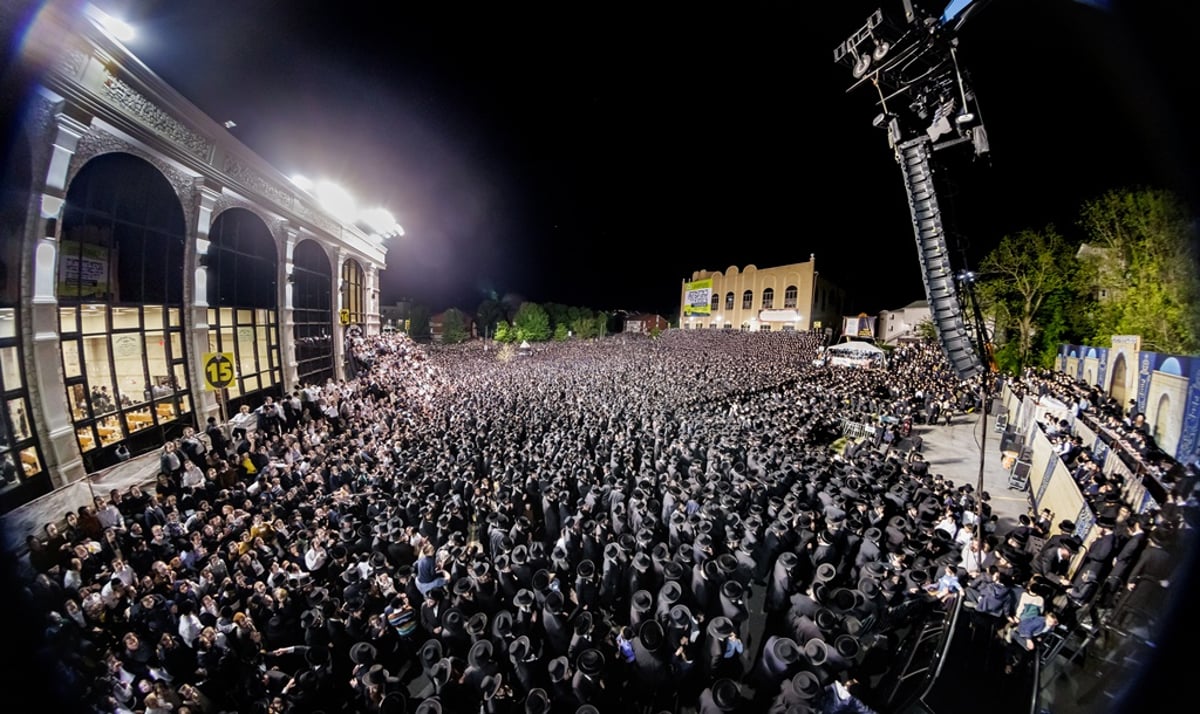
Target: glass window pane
[(173, 317), (212, 316), (10, 368), (264, 347), (70, 352), (156, 362), (252, 383), (138, 419), (245, 350), (226, 317), (126, 318), (152, 316), (127, 358), (165, 410), (77, 399), (99, 376), (19, 419), (94, 319), (263, 317), (30, 462), (180, 372), (8, 323), (86, 441), (66, 319), (109, 430), (245, 317), (234, 389), (185, 404)]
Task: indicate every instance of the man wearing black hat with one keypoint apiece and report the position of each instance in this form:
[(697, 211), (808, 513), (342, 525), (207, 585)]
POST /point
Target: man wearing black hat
[(588, 683), (725, 695)]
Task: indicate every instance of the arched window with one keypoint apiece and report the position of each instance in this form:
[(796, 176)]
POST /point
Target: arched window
[(768, 298), (242, 302), (728, 301), (353, 293), (120, 294), (313, 313), (22, 471), (716, 302), (789, 297), (747, 299)]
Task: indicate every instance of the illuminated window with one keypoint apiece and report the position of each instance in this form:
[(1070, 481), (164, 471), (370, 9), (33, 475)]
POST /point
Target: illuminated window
[(768, 298), (716, 302), (353, 291), (728, 301), (313, 313), (789, 297), (747, 299), (243, 297), (120, 292)]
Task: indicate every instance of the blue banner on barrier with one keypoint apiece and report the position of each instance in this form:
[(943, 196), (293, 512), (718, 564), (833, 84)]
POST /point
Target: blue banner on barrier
[(1147, 363), (1187, 451), (1037, 502)]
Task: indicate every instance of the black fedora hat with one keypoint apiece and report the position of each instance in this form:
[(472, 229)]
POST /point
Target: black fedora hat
[(826, 572), (847, 646), (502, 623), (490, 685), (537, 701), (519, 648), (642, 562), (590, 661), (651, 635), (727, 563), (786, 650), (477, 624), (672, 570), (720, 626), (375, 675), (431, 652), (583, 623), (732, 589), (429, 705), (642, 601), (670, 592), (788, 560), (585, 569), (519, 555), (363, 653), (439, 673), (726, 694), (540, 580), (816, 651), (681, 616), (452, 620), (554, 601), (558, 668), (806, 684), (523, 598), (480, 654)]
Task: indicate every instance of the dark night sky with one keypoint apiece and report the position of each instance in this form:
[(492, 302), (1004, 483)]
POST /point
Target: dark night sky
[(596, 154)]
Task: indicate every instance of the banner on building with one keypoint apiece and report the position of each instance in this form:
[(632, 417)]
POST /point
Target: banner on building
[(861, 325), (698, 298), (82, 270)]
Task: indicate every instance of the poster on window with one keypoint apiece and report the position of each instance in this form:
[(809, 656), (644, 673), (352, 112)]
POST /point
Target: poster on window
[(698, 298), (83, 270), (859, 326)]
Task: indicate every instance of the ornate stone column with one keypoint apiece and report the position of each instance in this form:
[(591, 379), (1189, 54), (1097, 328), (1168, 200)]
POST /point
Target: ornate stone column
[(46, 388), (287, 309)]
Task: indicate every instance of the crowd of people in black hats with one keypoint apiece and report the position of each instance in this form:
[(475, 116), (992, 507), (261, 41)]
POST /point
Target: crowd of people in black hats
[(581, 529)]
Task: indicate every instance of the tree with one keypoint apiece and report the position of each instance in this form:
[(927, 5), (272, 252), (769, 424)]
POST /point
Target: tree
[(419, 322), (1018, 278), (489, 313), (1141, 264), (532, 323), (560, 332), (925, 329), (504, 333), (454, 327)]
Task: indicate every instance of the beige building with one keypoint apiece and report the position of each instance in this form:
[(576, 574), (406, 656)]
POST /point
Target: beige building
[(895, 325), (780, 299)]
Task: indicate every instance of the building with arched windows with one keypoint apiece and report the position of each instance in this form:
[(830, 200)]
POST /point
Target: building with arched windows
[(137, 236), (780, 299)]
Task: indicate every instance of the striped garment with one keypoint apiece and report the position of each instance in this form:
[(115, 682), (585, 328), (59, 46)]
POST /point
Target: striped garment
[(402, 619)]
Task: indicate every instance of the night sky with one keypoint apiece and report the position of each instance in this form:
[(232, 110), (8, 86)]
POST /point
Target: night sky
[(596, 154)]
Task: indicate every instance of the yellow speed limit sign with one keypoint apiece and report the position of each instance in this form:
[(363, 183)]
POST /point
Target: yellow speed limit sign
[(218, 370)]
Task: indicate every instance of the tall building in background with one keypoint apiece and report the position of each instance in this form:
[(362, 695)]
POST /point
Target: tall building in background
[(780, 299), (138, 239)]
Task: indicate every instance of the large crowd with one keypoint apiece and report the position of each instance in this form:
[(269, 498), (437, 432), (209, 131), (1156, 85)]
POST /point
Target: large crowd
[(576, 527)]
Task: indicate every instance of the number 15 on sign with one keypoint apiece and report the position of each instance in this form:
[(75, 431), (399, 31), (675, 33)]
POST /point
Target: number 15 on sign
[(218, 370)]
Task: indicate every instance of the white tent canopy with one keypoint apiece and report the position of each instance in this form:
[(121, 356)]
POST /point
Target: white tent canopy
[(858, 349), (854, 354)]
